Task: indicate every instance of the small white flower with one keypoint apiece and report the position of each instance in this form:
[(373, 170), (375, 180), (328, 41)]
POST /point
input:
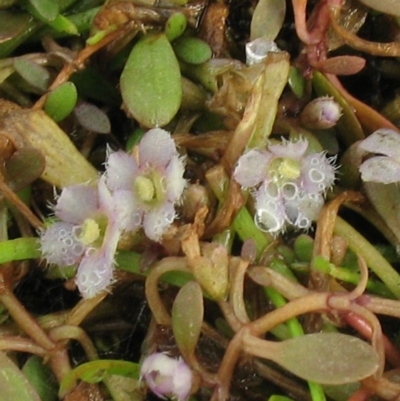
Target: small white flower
[(87, 234), (167, 377), (287, 183), (148, 184), (385, 168)]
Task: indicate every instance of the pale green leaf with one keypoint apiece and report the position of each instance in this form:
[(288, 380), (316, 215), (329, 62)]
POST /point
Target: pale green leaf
[(14, 385), (267, 19), (187, 316), (151, 84), (32, 72), (328, 358)]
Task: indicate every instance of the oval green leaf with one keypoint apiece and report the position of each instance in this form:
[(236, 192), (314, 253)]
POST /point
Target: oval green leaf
[(328, 358), (192, 50), (24, 166), (47, 10), (267, 19), (175, 26), (92, 118), (187, 317), (32, 72), (61, 101), (151, 84)]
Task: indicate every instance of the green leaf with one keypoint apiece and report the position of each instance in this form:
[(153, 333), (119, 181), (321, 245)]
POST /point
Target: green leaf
[(13, 384), (92, 118), (23, 167), (328, 358), (279, 398), (12, 25), (151, 84), (40, 376), (187, 317), (267, 19), (15, 28), (95, 371), (61, 101), (175, 26), (192, 50), (32, 72), (46, 10), (64, 24)]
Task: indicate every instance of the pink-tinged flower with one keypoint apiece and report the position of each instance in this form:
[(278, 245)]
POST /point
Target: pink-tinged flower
[(87, 234), (167, 377), (148, 183), (321, 113), (288, 184), (385, 168)]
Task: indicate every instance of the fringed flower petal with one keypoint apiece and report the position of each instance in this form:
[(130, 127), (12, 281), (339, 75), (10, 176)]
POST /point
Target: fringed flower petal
[(251, 169), (157, 221), (270, 210), (156, 148), (76, 203), (121, 168), (60, 246), (95, 272), (128, 211), (290, 150), (173, 179), (317, 173)]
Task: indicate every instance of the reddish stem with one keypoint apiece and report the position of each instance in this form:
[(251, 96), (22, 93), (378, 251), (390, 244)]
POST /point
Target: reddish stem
[(358, 323)]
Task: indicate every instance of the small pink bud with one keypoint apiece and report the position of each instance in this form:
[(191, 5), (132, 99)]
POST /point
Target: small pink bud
[(321, 113), (167, 377)]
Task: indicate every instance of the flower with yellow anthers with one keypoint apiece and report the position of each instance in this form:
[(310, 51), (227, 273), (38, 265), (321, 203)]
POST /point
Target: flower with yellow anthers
[(287, 182), (86, 234), (147, 183)]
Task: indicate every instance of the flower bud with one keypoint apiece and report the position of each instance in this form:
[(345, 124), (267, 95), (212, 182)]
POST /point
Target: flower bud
[(167, 377), (321, 113)]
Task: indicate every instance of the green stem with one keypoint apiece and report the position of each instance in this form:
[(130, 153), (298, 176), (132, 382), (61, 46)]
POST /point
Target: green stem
[(19, 249), (375, 261), (293, 324)]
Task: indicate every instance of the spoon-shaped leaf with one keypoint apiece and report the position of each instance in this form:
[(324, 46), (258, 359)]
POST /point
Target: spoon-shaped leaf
[(267, 19), (61, 101), (24, 166), (151, 81), (187, 316), (13, 384), (192, 50), (326, 358), (33, 73), (92, 118)]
